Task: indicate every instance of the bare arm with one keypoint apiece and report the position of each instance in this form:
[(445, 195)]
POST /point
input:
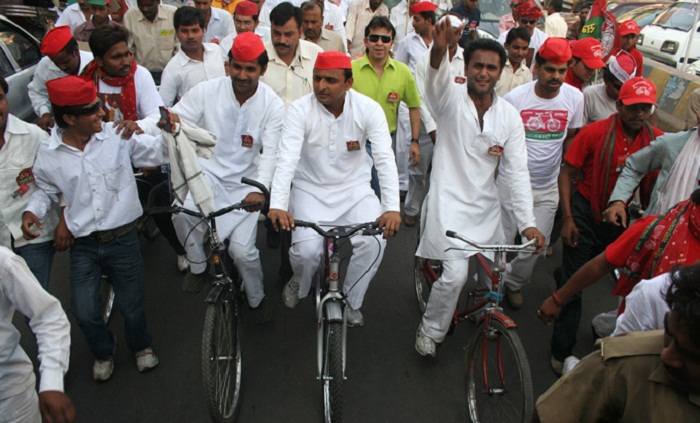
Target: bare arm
[(569, 233)]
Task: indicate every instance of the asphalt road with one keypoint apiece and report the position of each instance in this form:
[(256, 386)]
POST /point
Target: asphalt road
[(387, 381)]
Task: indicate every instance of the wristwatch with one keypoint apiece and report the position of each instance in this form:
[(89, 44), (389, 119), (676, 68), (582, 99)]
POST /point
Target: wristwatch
[(415, 140)]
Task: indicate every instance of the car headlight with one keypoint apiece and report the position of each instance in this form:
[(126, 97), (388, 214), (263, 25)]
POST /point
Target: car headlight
[(669, 47), (640, 39)]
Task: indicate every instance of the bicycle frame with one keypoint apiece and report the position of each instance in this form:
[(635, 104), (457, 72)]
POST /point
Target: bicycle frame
[(333, 302)]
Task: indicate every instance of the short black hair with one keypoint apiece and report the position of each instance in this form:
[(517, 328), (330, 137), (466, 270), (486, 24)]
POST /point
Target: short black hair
[(380, 22), (557, 5), (262, 60), (71, 47), (3, 85), (683, 298), (283, 12), (429, 15), (188, 16), (485, 44), (59, 111), (348, 73), (309, 5), (105, 37), (580, 6), (518, 33)]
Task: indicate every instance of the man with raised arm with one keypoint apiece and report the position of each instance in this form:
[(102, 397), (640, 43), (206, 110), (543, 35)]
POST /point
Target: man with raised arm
[(477, 131), (323, 175)]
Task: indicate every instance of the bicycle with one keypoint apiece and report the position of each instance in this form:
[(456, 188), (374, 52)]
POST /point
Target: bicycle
[(221, 347), (330, 316), (495, 391)]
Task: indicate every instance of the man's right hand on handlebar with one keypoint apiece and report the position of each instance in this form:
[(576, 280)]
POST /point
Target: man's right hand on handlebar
[(390, 221), (281, 219), (531, 233)]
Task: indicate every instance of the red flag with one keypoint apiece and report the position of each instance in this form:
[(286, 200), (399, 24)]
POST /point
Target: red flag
[(602, 26)]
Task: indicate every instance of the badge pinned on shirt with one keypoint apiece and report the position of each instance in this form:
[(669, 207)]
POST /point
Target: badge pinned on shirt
[(329, 27), (392, 98), (460, 79), (496, 151), (247, 141), (353, 145), (214, 41)]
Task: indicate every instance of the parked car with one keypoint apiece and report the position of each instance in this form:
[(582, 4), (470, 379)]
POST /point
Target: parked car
[(666, 39), (644, 15), (19, 54), (617, 8)]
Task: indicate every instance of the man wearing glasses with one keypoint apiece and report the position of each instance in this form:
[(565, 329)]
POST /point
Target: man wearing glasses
[(528, 15), (388, 82)]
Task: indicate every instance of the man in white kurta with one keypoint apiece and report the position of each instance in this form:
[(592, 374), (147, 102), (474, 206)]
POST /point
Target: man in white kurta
[(248, 121), (477, 131), (322, 158)]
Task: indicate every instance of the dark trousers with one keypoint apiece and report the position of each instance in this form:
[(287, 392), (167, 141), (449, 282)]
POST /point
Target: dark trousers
[(163, 221), (593, 237)]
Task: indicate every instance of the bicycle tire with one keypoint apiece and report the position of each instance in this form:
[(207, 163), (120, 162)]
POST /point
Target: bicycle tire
[(422, 284), (221, 359), (333, 373), (508, 402), (107, 296)]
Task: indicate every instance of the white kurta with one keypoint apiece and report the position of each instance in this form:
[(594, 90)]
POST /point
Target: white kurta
[(645, 307), (182, 73), (463, 195), (46, 70)]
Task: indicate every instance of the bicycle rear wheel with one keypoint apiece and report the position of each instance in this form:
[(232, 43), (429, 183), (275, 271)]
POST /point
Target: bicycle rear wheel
[(221, 359), (499, 383), (425, 273), (333, 373)]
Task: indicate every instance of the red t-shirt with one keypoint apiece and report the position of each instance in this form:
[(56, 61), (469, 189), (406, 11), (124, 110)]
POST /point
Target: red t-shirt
[(581, 152), (573, 80), (637, 56)]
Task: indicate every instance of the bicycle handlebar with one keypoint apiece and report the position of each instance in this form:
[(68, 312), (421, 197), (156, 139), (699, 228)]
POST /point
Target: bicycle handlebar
[(338, 232), (494, 247)]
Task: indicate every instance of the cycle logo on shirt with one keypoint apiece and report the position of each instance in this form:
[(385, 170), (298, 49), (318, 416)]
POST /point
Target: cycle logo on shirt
[(545, 125)]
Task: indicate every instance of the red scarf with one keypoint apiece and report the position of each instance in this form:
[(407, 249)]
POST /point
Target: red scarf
[(604, 158), (128, 94), (661, 246)]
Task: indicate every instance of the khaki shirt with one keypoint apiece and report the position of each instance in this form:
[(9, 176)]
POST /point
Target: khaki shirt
[(331, 41), (622, 382), (153, 43), (294, 81)]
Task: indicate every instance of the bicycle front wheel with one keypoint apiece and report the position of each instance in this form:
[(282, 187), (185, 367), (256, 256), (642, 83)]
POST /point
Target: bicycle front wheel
[(221, 359), (333, 373), (499, 383)]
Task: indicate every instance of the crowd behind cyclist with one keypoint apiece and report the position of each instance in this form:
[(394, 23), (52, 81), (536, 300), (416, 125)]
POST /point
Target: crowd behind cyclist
[(344, 110)]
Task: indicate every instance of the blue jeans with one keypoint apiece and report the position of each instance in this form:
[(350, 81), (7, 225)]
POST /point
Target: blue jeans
[(120, 259), (39, 258)]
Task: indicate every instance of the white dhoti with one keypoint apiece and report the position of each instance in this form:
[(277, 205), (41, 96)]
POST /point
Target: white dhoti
[(418, 177), (402, 146)]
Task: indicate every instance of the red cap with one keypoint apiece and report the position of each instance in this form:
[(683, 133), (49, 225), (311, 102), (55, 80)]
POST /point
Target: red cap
[(71, 90), (246, 8), (55, 40), (555, 50), (637, 90), (247, 47), (590, 51), (529, 10), (424, 6), (332, 60), (629, 27), (622, 66)]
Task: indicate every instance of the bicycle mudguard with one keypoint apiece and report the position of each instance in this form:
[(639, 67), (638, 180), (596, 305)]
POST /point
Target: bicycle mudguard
[(214, 293), (505, 320), (334, 311)]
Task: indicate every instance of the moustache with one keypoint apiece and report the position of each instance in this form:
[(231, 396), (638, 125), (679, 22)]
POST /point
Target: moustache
[(281, 45)]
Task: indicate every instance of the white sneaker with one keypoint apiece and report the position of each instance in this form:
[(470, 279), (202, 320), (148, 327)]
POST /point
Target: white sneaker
[(354, 317), (425, 346), (290, 294), (183, 264), (102, 369), (557, 366), (146, 360), (569, 364)]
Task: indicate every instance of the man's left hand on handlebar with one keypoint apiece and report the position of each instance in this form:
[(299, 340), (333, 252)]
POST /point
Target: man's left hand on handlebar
[(390, 221), (531, 233), (254, 197)]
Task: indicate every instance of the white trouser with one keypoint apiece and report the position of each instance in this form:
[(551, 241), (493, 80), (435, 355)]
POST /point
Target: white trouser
[(21, 408), (545, 204), (443, 299), (305, 257), (403, 144), (418, 177), (240, 228)]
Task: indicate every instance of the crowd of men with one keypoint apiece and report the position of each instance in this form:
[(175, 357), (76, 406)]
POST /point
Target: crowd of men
[(344, 110)]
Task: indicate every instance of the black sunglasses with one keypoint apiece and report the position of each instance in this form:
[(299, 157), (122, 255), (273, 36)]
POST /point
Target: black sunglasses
[(373, 38), (528, 21)]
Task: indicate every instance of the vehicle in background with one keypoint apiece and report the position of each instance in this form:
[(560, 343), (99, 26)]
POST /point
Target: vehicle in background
[(666, 39), (644, 15), (35, 16), (19, 54), (618, 8)]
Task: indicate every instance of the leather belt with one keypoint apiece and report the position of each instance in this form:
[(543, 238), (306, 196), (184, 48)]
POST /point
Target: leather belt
[(111, 234)]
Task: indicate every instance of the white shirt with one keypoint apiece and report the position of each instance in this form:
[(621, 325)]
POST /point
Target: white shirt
[(597, 105), (333, 18), (410, 50), (147, 98), (546, 123), (71, 16), (220, 25), (555, 26), (401, 21), (20, 290), (536, 40), (45, 71), (98, 183), (325, 156), (226, 43), (463, 195), (182, 73), (456, 74), (645, 307), (343, 5), (264, 16), (510, 79), (243, 130), (293, 81), (22, 141)]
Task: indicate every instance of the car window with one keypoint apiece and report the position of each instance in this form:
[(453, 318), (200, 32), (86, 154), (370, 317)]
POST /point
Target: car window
[(679, 16), (6, 68), (25, 52)]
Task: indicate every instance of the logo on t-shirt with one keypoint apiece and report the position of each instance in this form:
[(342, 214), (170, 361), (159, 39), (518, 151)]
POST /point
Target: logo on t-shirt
[(545, 125)]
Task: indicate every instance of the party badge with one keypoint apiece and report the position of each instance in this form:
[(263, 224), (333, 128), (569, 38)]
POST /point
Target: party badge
[(496, 151), (393, 98), (247, 141), (353, 145), (460, 79)]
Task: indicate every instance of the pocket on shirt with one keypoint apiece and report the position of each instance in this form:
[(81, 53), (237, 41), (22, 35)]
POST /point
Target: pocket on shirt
[(166, 42), (115, 178)]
